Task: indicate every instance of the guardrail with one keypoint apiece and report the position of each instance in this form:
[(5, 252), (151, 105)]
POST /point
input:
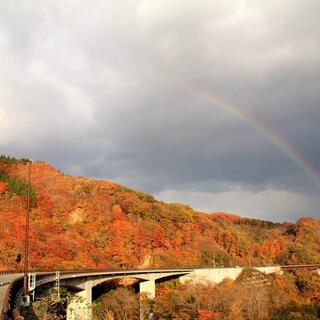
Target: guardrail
[(293, 266), (300, 266), (4, 283), (10, 271), (68, 271), (3, 272)]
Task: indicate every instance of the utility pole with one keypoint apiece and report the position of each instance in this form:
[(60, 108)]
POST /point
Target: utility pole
[(26, 240)]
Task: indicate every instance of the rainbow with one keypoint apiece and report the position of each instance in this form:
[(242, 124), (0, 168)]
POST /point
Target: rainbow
[(309, 171)]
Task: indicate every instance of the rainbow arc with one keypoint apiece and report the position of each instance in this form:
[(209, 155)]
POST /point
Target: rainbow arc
[(309, 171)]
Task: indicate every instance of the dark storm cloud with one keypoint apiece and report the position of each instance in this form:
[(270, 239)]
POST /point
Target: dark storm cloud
[(102, 90)]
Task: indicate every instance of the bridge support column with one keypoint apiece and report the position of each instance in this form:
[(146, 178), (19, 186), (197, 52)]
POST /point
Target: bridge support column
[(148, 287), (79, 308)]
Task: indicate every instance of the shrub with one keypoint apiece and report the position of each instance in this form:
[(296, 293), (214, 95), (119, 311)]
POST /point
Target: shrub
[(18, 187), (10, 160)]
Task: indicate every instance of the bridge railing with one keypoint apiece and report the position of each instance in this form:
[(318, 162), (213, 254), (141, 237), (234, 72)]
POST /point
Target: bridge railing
[(9, 271), (66, 271)]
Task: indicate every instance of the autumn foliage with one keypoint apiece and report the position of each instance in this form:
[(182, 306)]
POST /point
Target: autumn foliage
[(252, 296), (82, 223)]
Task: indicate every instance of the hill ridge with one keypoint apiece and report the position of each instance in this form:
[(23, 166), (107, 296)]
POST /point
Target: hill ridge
[(86, 223)]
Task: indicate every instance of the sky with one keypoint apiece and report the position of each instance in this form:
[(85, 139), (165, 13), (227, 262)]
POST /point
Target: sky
[(215, 104)]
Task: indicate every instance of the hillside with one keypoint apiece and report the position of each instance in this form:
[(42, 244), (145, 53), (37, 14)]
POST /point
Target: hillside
[(82, 223)]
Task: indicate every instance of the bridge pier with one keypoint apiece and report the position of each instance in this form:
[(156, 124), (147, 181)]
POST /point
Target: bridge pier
[(148, 287), (79, 308)]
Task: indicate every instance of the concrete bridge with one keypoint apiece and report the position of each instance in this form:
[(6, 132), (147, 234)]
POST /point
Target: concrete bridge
[(84, 282)]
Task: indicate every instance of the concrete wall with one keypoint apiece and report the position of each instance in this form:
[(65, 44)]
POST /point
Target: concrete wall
[(217, 275)]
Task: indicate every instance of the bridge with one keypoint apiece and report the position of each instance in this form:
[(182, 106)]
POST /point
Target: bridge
[(83, 282)]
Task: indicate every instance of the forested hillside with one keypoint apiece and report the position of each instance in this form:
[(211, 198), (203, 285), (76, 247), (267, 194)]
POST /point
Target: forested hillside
[(83, 223)]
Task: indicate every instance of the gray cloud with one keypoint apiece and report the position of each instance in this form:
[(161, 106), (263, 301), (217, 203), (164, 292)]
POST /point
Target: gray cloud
[(277, 205), (104, 91)]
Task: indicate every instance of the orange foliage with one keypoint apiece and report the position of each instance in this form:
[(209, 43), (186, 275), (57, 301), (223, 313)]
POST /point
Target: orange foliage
[(82, 223), (3, 187), (207, 315)]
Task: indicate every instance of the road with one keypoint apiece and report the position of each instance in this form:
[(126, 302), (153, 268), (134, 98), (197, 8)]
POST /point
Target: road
[(5, 281)]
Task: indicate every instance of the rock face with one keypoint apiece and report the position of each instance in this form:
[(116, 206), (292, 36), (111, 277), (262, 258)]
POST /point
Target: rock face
[(82, 223)]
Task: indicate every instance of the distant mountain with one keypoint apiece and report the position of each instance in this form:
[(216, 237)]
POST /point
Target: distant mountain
[(84, 223)]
